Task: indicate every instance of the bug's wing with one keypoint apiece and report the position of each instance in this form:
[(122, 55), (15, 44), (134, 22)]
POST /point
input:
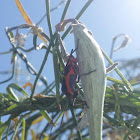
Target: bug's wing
[(72, 82)]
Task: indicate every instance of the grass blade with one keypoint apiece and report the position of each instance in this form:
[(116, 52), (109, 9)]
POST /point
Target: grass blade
[(46, 115), (65, 10), (18, 88), (126, 82), (17, 127), (23, 129)]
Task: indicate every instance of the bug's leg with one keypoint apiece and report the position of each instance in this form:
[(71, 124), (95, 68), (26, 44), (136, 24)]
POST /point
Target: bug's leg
[(62, 120), (87, 73), (78, 79), (83, 102), (84, 74), (72, 51), (73, 101)]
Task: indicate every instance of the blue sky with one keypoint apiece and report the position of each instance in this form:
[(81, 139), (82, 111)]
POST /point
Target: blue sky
[(104, 19)]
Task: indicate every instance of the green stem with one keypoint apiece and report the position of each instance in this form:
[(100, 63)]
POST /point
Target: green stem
[(115, 80), (39, 73), (65, 10), (84, 9), (49, 20), (77, 17), (25, 50), (62, 18), (126, 82), (30, 68), (13, 71), (6, 52), (57, 74), (51, 10), (127, 135), (75, 120)]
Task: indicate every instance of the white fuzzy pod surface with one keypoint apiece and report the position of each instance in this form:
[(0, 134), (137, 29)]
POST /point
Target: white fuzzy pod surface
[(90, 58)]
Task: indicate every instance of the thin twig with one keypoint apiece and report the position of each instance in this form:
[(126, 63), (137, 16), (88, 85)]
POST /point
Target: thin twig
[(49, 21), (13, 71), (75, 120), (51, 10), (39, 73), (30, 68)]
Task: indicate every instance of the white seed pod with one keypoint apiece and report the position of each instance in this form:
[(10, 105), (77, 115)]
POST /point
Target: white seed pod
[(90, 58)]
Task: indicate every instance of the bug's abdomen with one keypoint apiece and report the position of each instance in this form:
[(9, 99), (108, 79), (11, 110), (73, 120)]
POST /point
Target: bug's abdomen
[(69, 82)]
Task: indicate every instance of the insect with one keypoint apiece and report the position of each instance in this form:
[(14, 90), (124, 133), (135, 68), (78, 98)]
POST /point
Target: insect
[(71, 77), (71, 74)]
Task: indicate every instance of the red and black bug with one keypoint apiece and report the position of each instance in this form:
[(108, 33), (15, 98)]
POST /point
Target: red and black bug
[(71, 77), (71, 74)]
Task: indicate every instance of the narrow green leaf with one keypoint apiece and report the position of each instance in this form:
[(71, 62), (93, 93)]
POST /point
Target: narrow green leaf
[(12, 94), (2, 129), (33, 134), (115, 80), (78, 16), (126, 82), (108, 95), (108, 89), (65, 10), (11, 107), (23, 129), (49, 19), (6, 52), (10, 34), (46, 138), (84, 8), (137, 104), (59, 116), (126, 136), (18, 88), (50, 87), (17, 127), (1, 123), (8, 130), (40, 71), (34, 40), (135, 83), (1, 98), (46, 115), (136, 123), (37, 120), (57, 74), (13, 57), (76, 123)]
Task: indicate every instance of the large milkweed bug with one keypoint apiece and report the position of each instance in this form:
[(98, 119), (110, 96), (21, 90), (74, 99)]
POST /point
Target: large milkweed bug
[(71, 70), (71, 77), (71, 74)]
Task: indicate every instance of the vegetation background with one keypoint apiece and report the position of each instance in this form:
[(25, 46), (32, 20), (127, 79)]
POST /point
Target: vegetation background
[(22, 117)]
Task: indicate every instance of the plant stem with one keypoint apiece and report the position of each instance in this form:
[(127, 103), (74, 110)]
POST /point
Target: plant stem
[(39, 73), (76, 123)]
